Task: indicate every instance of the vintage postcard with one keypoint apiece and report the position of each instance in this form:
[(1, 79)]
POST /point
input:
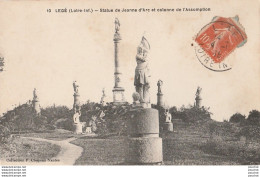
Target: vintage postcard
[(130, 82)]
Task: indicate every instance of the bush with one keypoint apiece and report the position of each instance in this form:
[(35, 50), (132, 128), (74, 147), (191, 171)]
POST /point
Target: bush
[(237, 118), (254, 117), (4, 134), (194, 115)]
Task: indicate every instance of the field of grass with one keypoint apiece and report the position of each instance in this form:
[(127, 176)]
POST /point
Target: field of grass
[(187, 145), (101, 151), (23, 148)]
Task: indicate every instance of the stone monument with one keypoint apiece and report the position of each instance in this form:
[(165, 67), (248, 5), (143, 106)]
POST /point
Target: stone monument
[(160, 102), (103, 100), (167, 126), (145, 145), (76, 109), (35, 103), (142, 73), (118, 91), (198, 98)]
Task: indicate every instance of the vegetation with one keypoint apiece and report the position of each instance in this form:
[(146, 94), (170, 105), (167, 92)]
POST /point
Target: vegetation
[(197, 139), (23, 148), (237, 118), (191, 114)]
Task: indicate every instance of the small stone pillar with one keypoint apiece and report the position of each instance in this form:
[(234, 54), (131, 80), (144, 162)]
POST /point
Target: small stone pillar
[(35, 103), (145, 145), (198, 98), (198, 102), (78, 128), (160, 101)]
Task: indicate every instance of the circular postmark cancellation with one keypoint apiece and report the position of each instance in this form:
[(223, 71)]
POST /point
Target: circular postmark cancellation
[(217, 40)]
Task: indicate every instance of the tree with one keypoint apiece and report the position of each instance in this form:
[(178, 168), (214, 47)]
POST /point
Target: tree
[(237, 118), (254, 117)]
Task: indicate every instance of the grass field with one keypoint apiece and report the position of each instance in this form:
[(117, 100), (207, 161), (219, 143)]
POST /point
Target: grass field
[(185, 146), (23, 148), (101, 151)]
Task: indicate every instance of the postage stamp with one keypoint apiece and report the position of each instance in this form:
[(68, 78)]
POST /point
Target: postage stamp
[(217, 40)]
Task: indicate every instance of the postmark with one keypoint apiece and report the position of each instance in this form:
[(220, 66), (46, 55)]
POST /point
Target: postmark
[(217, 40)]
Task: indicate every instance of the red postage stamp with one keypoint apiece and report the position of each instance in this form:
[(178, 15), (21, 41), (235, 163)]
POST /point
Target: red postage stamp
[(218, 39)]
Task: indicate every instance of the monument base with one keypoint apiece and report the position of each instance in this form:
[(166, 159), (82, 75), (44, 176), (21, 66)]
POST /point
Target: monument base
[(144, 150), (88, 130), (160, 101), (78, 128), (168, 126), (118, 96), (145, 145)]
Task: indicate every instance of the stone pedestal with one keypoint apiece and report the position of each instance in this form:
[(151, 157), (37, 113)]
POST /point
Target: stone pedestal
[(36, 106), (168, 127), (160, 102), (88, 130), (76, 104), (198, 101), (118, 91), (145, 145), (118, 96), (78, 128)]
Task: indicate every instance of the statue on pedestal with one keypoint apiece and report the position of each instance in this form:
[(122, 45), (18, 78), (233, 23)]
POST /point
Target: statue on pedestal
[(35, 102), (198, 97), (142, 73), (159, 84), (103, 98), (168, 116)]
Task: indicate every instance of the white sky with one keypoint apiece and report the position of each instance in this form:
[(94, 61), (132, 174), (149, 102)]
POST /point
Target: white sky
[(49, 51)]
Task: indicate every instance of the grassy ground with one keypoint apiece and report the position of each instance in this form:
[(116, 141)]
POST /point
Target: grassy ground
[(187, 145), (101, 151), (175, 152), (23, 148)]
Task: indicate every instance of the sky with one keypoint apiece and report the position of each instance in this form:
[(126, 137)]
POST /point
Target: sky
[(48, 51)]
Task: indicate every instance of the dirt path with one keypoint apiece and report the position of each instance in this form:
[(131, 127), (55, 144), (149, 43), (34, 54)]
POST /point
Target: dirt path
[(68, 154)]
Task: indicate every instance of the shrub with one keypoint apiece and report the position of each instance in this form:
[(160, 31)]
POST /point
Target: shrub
[(237, 118), (254, 117), (4, 134)]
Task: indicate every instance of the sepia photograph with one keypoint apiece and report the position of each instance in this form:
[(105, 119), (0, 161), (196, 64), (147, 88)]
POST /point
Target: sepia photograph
[(123, 83)]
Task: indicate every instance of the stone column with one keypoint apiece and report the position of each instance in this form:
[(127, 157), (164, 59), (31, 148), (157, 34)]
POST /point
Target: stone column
[(76, 105), (36, 106), (76, 109), (118, 91), (160, 101)]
